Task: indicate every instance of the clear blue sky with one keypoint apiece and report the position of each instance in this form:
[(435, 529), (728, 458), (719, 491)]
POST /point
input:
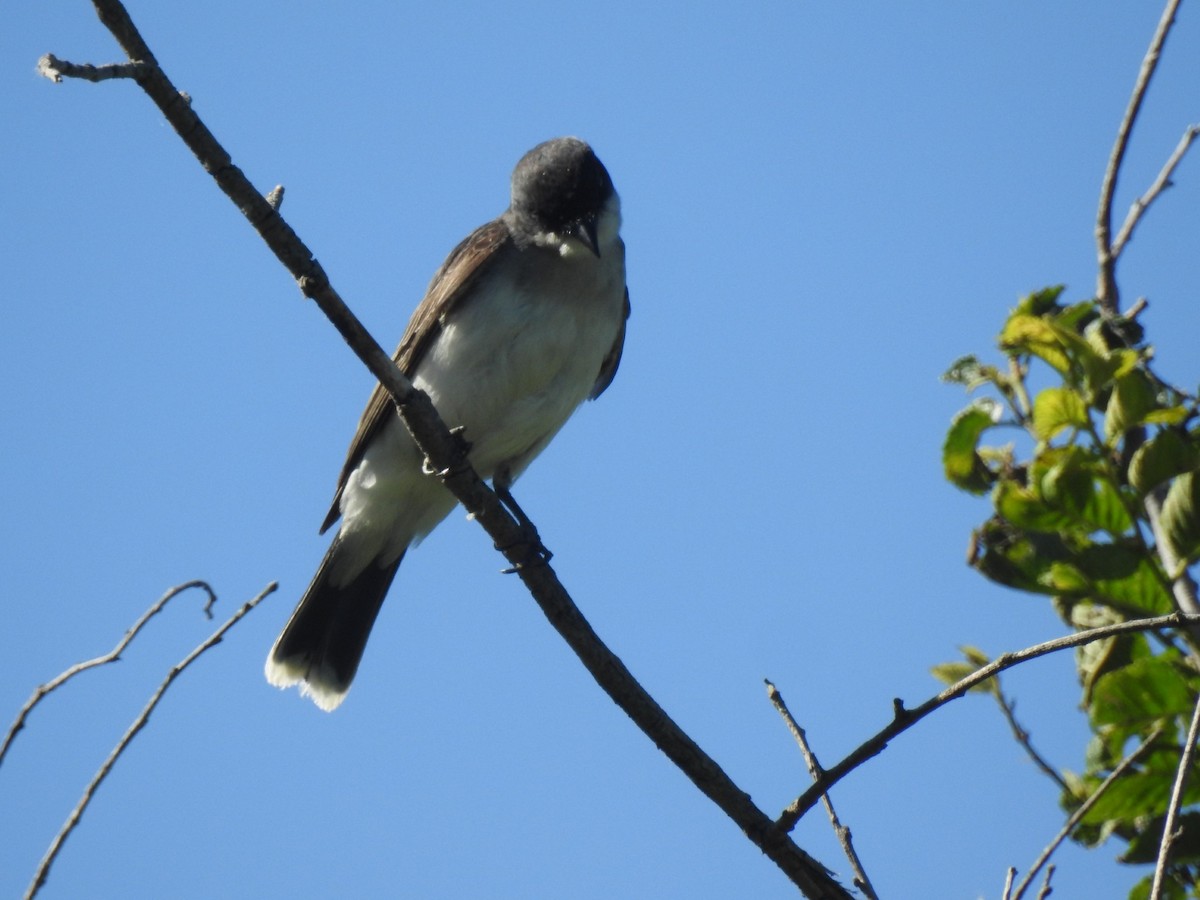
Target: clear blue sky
[(824, 206)]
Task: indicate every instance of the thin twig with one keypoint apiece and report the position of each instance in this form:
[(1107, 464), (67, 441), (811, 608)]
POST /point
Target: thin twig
[(1046, 890), (1169, 828), (1106, 283), (50, 66), (447, 460), (112, 656), (139, 723), (1077, 816), (1008, 708), (903, 718), (1009, 876), (861, 880), (1161, 183)]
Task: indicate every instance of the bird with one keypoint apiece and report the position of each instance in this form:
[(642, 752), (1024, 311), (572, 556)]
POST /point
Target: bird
[(523, 321)]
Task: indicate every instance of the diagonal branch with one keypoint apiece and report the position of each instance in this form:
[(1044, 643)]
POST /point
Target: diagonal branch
[(112, 656), (1183, 586), (139, 723), (1106, 282), (1181, 776), (1082, 811), (903, 718), (861, 880), (448, 462), (1008, 709), (1161, 183)]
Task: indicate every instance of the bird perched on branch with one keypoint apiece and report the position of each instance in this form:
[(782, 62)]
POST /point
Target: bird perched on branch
[(523, 322)]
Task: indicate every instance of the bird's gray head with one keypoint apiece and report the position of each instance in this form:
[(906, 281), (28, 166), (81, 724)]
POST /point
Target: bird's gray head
[(561, 190)]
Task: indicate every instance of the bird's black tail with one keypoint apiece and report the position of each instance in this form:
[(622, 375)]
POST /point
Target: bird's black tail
[(323, 641)]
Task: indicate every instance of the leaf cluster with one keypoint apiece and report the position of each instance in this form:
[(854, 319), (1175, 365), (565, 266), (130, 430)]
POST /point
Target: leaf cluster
[(1090, 462)]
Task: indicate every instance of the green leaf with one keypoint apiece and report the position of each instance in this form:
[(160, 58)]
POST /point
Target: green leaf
[(1133, 398), (1071, 485), (1184, 849), (1161, 458), (1097, 658), (1025, 509), (1078, 315), (1133, 794), (953, 672), (1171, 415), (1041, 302), (1040, 327), (960, 458), (1141, 693), (1028, 334), (969, 372), (1171, 890), (975, 656), (1065, 578), (1181, 515), (1139, 793), (1105, 509), (1120, 574), (1058, 408), (1016, 558)]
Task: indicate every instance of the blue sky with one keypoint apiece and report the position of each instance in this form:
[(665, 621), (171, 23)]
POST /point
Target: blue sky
[(823, 206)]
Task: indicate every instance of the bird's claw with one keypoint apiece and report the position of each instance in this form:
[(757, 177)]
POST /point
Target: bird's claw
[(536, 554)]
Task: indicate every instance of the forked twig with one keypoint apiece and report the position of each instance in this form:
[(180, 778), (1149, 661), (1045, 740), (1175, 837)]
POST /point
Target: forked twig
[(903, 718), (112, 656), (1045, 890), (1009, 710), (861, 880), (1075, 817), (1106, 284), (1161, 183), (139, 723)]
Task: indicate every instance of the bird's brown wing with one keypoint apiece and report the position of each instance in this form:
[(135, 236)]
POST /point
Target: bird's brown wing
[(450, 284)]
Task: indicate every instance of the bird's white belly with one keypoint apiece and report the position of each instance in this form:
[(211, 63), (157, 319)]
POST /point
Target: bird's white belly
[(509, 372)]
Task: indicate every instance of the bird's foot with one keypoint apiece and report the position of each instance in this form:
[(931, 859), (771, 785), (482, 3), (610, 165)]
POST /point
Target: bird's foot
[(536, 553)]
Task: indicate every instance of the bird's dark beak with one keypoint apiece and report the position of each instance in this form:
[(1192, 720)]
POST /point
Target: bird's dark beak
[(584, 230)]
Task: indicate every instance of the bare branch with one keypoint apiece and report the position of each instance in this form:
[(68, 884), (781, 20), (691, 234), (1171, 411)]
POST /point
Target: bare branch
[(1046, 890), (50, 66), (861, 880), (1008, 883), (903, 718), (1077, 816), (1169, 828), (447, 460), (139, 723), (112, 656), (1161, 183), (1009, 709), (1106, 283)]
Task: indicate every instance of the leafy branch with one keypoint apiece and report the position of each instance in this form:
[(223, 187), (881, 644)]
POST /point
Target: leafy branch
[(1094, 485)]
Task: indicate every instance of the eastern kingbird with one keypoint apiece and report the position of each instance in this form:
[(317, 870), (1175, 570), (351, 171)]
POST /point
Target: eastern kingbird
[(523, 322)]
